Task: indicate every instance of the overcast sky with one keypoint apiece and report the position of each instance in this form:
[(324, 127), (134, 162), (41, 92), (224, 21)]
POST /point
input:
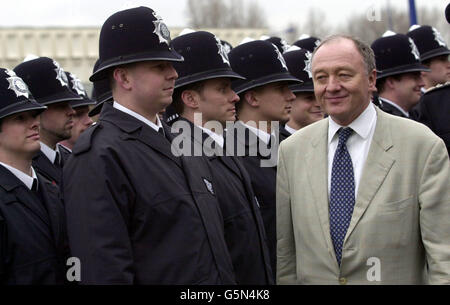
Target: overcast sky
[(94, 12)]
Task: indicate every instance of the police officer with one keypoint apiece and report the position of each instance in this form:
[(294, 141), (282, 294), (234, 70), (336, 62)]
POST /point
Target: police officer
[(280, 43), (399, 81), (81, 120), (305, 108), (307, 42), (101, 93), (434, 54), (33, 244), (50, 86), (203, 96), (136, 212), (265, 101)]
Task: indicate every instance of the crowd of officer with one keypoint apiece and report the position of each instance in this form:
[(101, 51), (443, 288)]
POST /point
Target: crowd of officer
[(124, 197)]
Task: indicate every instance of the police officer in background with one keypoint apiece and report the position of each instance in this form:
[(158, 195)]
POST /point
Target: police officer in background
[(33, 242), (81, 119), (434, 107), (434, 54), (50, 87), (307, 42), (399, 82), (305, 108), (203, 89), (136, 212), (265, 99), (101, 93)]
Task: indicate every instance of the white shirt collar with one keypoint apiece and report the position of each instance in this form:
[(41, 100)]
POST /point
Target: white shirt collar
[(65, 147), (264, 136), (216, 137), (48, 152), (385, 100), (361, 125), (25, 178), (139, 117), (289, 129)]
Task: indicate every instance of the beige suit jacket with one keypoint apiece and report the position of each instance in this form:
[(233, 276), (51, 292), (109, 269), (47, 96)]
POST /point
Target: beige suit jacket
[(401, 218)]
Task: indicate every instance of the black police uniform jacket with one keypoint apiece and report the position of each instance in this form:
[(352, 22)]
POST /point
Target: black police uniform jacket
[(136, 213), (386, 107), (263, 180), (284, 134), (65, 154), (434, 111), (244, 229), (33, 239), (47, 169)]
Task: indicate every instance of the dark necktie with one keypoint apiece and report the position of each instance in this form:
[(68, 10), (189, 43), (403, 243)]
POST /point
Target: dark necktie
[(34, 186), (342, 193), (57, 161), (161, 132)]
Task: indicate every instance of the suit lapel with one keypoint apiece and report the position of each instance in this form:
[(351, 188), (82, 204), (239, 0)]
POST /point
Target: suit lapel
[(20, 194), (377, 166), (317, 169), (134, 129), (54, 205), (46, 168)]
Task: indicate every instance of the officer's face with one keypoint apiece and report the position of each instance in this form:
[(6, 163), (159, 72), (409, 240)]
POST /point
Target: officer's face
[(305, 109), (151, 84), (440, 70), (57, 122), (19, 135), (341, 82), (217, 100), (81, 121), (275, 101), (407, 89)]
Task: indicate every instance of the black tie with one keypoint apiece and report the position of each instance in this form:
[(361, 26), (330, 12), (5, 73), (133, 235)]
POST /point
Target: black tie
[(57, 161), (34, 186), (161, 131)]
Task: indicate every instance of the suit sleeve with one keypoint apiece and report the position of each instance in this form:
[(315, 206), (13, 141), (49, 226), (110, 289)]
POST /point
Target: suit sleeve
[(434, 199), (286, 258), (98, 199)]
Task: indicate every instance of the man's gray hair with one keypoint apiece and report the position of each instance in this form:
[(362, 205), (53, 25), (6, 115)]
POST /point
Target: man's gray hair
[(363, 49)]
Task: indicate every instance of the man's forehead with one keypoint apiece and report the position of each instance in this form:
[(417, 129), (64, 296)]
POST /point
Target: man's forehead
[(342, 51)]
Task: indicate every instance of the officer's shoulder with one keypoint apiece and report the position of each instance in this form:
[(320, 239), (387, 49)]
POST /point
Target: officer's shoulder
[(437, 88), (84, 142)]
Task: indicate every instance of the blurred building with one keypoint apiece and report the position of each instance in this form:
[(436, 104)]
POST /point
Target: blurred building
[(76, 49)]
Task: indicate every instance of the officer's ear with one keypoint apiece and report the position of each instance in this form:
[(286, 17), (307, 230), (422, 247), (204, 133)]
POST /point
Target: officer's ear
[(190, 98), (121, 76), (251, 98)]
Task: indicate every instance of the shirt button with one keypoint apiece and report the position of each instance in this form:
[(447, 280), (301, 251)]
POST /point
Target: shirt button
[(342, 281)]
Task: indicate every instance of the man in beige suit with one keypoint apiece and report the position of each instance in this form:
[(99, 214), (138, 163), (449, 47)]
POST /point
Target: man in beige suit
[(363, 197)]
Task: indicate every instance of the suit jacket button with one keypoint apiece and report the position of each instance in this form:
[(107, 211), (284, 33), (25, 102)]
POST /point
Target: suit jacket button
[(342, 281)]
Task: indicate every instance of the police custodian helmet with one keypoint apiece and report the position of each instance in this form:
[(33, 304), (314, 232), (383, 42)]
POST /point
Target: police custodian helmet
[(14, 95), (46, 80), (429, 41), (396, 54), (298, 62), (133, 35), (204, 58), (261, 63)]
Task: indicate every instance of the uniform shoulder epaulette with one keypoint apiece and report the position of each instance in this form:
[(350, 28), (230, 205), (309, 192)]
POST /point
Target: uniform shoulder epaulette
[(84, 143), (438, 86)]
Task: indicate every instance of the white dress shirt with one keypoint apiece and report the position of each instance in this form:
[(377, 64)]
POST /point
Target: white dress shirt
[(358, 143), (290, 129), (385, 100), (139, 117), (49, 152), (25, 178)]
